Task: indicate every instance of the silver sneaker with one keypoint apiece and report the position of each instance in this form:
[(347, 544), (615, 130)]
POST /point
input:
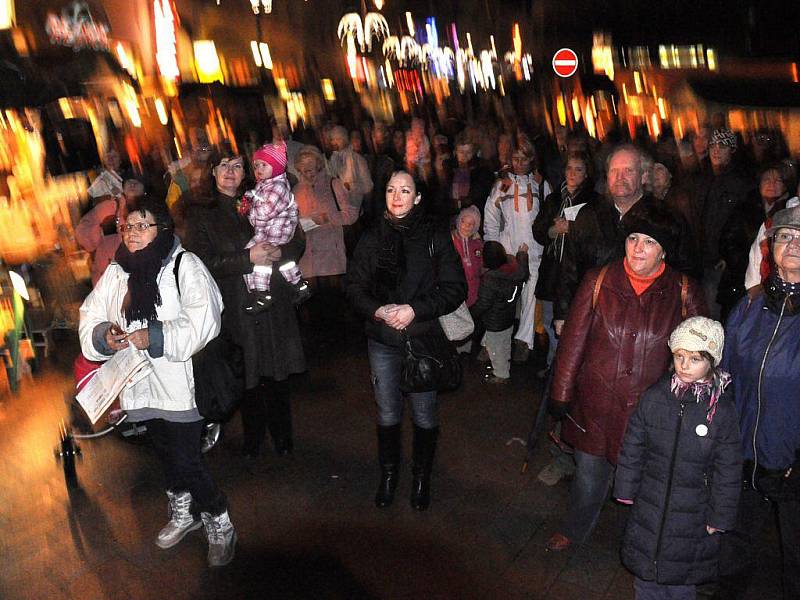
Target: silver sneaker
[(221, 539), (181, 520)]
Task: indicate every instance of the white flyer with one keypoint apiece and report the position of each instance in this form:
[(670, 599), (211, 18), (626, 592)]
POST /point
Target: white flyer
[(572, 211), (307, 224), (116, 373)]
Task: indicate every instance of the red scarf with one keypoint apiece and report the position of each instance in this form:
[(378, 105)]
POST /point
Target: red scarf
[(639, 283)]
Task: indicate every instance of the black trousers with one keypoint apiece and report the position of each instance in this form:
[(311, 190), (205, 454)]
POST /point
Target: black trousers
[(178, 447), (266, 406), (740, 547)]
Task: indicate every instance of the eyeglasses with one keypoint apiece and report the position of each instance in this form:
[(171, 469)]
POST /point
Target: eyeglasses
[(232, 166), (140, 227), (783, 237)]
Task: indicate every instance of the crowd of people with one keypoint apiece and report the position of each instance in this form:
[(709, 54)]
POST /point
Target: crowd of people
[(619, 262)]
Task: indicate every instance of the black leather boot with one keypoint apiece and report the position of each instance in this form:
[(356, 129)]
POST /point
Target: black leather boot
[(389, 459), (424, 450)]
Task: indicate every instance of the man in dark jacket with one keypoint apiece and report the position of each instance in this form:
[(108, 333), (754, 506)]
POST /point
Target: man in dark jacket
[(495, 306), (718, 193), (467, 181), (381, 166), (597, 236)]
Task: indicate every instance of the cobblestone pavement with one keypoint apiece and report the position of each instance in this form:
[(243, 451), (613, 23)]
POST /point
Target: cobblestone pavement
[(307, 526)]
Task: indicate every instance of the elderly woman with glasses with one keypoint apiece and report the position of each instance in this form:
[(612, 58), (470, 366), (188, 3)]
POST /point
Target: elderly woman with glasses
[(762, 354), (143, 303)]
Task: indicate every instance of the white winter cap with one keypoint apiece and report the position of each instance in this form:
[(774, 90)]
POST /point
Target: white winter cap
[(698, 334)]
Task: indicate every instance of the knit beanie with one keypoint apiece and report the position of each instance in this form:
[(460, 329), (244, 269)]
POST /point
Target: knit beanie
[(698, 334), (723, 137), (274, 155)]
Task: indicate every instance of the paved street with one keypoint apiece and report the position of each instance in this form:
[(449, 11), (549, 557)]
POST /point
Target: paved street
[(307, 526)]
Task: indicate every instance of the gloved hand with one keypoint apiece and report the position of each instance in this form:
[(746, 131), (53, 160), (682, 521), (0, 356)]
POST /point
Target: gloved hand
[(557, 410)]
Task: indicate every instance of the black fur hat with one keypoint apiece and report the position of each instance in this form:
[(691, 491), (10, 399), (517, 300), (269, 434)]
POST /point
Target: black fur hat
[(654, 220)]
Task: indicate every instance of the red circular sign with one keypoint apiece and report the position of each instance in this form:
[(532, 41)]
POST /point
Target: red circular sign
[(565, 62)]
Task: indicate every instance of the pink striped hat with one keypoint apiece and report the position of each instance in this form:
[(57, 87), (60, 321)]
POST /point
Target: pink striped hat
[(274, 155)]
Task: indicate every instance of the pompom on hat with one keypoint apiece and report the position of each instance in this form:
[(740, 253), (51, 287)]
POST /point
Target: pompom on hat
[(274, 155), (698, 334)]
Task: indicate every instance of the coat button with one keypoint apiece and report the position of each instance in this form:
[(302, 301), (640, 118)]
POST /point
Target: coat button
[(634, 334), (628, 371)]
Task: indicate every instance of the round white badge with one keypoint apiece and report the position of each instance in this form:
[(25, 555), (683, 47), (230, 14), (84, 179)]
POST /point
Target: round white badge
[(701, 430)]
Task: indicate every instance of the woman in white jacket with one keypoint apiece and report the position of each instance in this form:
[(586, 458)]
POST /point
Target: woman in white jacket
[(510, 210), (137, 303)]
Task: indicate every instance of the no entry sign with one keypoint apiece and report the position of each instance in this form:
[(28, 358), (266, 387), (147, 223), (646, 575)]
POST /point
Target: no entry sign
[(565, 62)]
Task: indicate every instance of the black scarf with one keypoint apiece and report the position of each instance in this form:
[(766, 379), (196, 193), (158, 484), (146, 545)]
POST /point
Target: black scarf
[(142, 268), (391, 258)]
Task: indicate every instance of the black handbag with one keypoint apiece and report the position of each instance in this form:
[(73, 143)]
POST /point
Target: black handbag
[(218, 373), (430, 364)]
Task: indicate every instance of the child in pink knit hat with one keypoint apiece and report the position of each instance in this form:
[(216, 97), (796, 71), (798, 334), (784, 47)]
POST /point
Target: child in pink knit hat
[(272, 211)]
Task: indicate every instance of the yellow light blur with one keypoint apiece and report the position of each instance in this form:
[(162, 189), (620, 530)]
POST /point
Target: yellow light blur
[(66, 108), (637, 81), (6, 14), (283, 88), (562, 111), (206, 62), (656, 126), (662, 108), (576, 109), (589, 121), (266, 57), (256, 53), (161, 111), (712, 59), (379, 4), (19, 284), (327, 90), (410, 23), (679, 127), (125, 60), (625, 93), (166, 42)]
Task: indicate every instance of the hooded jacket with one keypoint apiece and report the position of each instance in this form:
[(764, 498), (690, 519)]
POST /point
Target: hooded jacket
[(682, 473), (470, 251), (496, 306)]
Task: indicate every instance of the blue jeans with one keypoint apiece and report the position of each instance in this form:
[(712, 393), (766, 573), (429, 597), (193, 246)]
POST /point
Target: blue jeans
[(385, 362), (587, 494), (547, 319)]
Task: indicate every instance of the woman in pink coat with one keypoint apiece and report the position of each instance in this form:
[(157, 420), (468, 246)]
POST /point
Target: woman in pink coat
[(326, 202)]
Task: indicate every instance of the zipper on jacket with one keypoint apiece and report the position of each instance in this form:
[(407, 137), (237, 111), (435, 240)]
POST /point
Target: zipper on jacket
[(760, 385), (669, 482)]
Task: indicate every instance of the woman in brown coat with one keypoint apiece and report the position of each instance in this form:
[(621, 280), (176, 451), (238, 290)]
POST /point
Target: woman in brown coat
[(614, 347)]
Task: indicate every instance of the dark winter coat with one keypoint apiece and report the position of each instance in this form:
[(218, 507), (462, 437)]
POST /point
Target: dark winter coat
[(550, 267), (680, 481), (597, 236), (481, 179), (607, 357), (718, 195), (432, 285), (496, 306), (735, 240), (772, 416), (218, 234)]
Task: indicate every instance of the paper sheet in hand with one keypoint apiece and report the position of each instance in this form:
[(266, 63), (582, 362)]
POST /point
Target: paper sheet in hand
[(307, 224), (572, 211), (101, 390)]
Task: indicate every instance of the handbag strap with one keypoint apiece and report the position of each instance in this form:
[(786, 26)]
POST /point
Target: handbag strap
[(598, 282), (684, 294), (175, 271), (333, 193)]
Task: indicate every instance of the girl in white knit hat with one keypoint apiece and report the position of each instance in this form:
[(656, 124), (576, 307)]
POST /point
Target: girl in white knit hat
[(680, 469)]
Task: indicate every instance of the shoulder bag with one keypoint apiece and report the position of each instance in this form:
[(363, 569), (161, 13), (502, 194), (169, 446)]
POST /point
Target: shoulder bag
[(218, 373)]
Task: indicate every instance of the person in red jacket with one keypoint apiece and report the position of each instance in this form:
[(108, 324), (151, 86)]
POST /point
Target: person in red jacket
[(613, 347)]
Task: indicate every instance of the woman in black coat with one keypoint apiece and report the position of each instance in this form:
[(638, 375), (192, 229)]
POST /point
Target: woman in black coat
[(404, 275), (680, 468), (550, 229), (217, 232)]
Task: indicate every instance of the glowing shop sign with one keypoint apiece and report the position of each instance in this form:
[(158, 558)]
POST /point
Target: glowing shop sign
[(76, 29)]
